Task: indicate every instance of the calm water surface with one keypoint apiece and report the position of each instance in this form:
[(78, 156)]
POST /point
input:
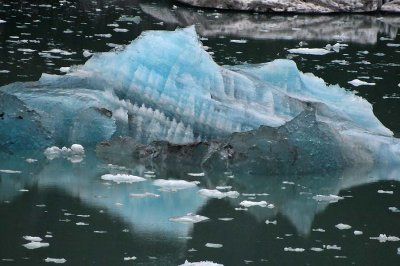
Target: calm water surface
[(89, 221)]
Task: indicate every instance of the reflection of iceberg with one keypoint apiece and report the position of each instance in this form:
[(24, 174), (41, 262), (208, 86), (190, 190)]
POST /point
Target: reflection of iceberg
[(177, 94), (362, 29)]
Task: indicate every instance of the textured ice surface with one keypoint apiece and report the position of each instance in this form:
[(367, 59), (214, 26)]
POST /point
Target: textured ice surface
[(189, 218), (35, 245), (213, 245), (214, 193), (33, 238), (55, 260), (201, 263), (342, 226), (174, 184), (123, 178), (177, 93), (310, 51)]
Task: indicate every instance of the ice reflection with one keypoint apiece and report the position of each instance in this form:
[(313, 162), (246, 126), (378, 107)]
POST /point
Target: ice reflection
[(364, 29)]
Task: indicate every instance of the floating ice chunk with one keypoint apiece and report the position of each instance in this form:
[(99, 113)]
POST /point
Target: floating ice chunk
[(316, 249), (223, 187), (383, 238), (290, 249), (74, 154), (35, 245), (342, 226), (309, 51), (99, 232), (54, 260), (329, 198), (196, 174), (173, 185), (213, 245), (334, 247), (123, 178), (271, 222), (86, 53), (358, 233), (120, 30), (213, 193), (318, 230), (238, 41), (189, 218), (201, 263), (8, 171), (357, 82), (398, 251), (394, 209), (393, 44), (226, 219), (33, 238), (144, 195), (130, 258), (135, 19), (64, 69), (2, 21), (30, 160), (248, 203), (105, 35), (385, 191)]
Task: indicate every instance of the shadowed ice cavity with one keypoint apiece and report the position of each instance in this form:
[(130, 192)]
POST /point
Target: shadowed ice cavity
[(164, 86), (363, 29), (150, 215)]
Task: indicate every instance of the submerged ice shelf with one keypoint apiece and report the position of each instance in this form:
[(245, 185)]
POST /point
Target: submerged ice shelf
[(165, 87)]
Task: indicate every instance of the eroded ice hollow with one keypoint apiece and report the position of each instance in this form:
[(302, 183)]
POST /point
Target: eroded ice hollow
[(165, 86)]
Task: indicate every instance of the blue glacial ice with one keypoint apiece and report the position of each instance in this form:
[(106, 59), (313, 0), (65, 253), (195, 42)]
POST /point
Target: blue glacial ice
[(165, 86)]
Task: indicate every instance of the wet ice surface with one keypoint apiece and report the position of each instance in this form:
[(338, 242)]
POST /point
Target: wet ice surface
[(128, 220)]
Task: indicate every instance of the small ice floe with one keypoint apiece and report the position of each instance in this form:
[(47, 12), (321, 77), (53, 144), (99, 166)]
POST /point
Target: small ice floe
[(227, 219), (4, 71), (336, 47), (81, 224), (385, 191), (213, 193), (318, 230), (123, 178), (25, 50), (357, 82), (83, 215), (2, 21), (271, 222), (309, 51), (7, 171), (30, 160), (173, 185), (35, 245), (290, 249), (201, 263), (40, 205), (241, 209), (383, 238), (343, 226), (223, 187), (135, 19), (120, 30), (106, 35), (239, 41), (327, 198), (248, 203), (143, 195), (358, 233), (86, 53), (213, 245), (334, 247), (196, 174), (32, 238), (192, 250), (99, 232), (393, 209), (74, 154), (64, 69), (54, 260), (393, 45), (398, 251), (316, 249), (23, 190), (130, 258), (189, 218)]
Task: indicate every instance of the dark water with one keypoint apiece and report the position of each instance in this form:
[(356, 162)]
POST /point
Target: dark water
[(51, 197)]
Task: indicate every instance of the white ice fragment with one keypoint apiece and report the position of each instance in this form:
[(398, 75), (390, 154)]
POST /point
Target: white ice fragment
[(144, 195), (33, 238), (357, 82), (394, 209), (196, 174), (213, 193), (358, 233), (383, 238), (223, 187), (239, 41), (319, 230), (316, 249), (385, 191), (87, 53), (30, 160), (189, 218), (248, 203), (328, 198), (2, 21), (64, 69), (271, 222), (290, 249), (81, 223), (106, 35), (342, 226), (122, 178), (74, 154), (35, 245), (225, 219), (393, 44), (7, 171), (309, 51), (334, 247), (99, 232), (213, 245), (120, 30), (130, 258), (173, 185), (54, 260), (201, 263)]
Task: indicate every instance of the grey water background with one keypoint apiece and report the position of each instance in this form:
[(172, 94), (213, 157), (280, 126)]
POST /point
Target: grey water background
[(48, 196)]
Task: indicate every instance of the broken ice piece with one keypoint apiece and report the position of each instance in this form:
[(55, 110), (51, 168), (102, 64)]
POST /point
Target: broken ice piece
[(54, 260), (358, 233), (383, 238), (309, 51), (189, 218), (213, 193), (174, 184), (130, 258), (33, 238), (196, 174), (342, 226), (357, 82), (271, 222), (122, 178), (329, 198), (201, 263), (385, 191), (35, 245), (213, 245), (248, 203), (293, 249)]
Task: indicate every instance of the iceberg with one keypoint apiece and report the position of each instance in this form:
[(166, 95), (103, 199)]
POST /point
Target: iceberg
[(176, 93)]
